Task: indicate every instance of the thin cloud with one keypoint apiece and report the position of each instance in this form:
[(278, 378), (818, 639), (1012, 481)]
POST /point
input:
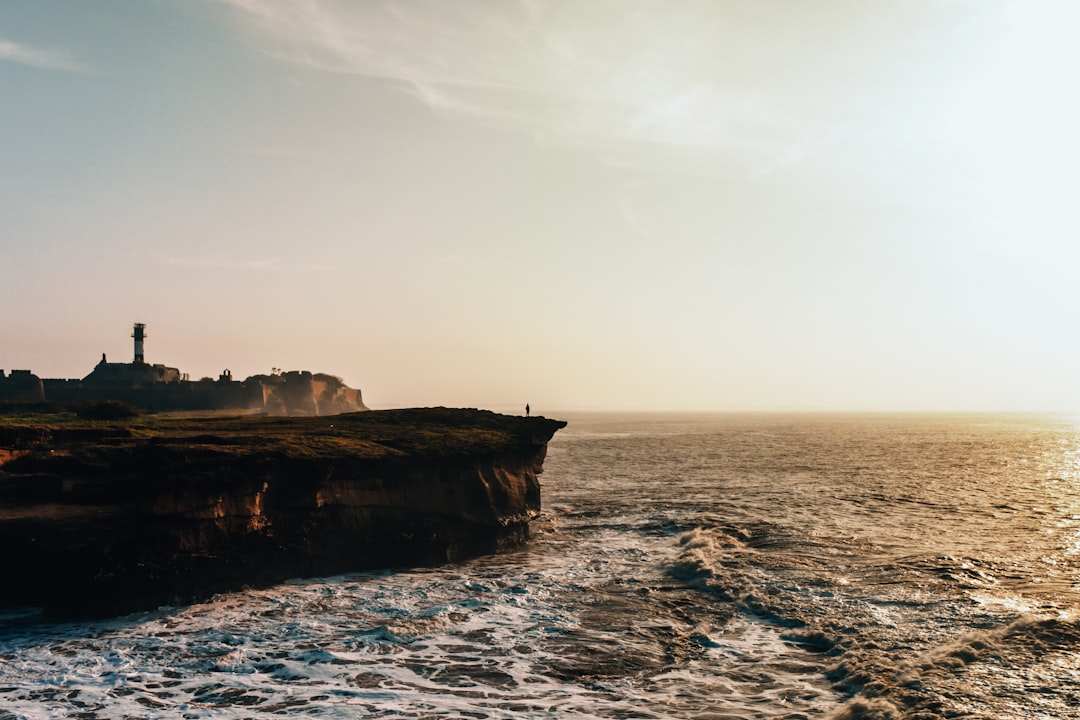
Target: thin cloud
[(721, 84), (598, 73), (271, 151), (272, 264), (39, 58)]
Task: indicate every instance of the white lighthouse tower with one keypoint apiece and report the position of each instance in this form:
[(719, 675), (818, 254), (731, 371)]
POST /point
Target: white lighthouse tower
[(139, 336)]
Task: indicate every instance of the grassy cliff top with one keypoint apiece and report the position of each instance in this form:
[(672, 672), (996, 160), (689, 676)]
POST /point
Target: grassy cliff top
[(418, 432)]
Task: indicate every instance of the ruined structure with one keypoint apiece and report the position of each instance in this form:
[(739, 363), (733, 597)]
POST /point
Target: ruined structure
[(21, 386), (157, 387)]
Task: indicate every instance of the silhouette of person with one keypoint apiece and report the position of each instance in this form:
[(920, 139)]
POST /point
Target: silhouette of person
[(526, 409)]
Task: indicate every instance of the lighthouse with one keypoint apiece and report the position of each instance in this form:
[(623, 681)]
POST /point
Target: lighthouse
[(139, 336)]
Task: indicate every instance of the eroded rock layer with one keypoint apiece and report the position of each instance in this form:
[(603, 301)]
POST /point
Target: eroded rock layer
[(106, 518)]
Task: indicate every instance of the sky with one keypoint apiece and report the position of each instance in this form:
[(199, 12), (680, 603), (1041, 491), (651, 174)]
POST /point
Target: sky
[(605, 205)]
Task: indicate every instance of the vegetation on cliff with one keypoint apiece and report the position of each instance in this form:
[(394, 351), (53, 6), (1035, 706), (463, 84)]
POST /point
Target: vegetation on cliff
[(431, 433)]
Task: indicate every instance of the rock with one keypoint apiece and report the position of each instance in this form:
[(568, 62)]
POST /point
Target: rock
[(301, 393), (106, 518)]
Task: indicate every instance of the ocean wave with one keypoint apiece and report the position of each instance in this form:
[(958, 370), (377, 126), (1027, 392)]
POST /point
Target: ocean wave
[(894, 656), (929, 685), (762, 568)]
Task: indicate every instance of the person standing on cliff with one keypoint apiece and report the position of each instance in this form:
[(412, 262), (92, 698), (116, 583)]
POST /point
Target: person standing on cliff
[(526, 409)]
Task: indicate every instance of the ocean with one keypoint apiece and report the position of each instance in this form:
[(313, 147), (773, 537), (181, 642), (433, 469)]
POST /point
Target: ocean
[(685, 566)]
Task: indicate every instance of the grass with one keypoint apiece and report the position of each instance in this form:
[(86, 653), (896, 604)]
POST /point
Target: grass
[(421, 432)]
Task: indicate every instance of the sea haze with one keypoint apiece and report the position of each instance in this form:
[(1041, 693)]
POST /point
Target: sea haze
[(686, 566)]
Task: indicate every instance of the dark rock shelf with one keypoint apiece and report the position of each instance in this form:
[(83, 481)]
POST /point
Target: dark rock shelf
[(102, 518)]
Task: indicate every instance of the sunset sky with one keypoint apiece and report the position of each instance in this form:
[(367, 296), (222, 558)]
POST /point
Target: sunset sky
[(611, 204)]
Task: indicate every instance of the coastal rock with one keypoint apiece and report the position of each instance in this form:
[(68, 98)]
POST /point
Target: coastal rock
[(106, 518), (302, 393)]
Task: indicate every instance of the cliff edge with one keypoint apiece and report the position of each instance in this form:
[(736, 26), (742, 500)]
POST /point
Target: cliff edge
[(100, 518)]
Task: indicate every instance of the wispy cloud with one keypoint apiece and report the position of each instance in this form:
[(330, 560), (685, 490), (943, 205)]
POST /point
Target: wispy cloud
[(46, 59), (273, 151), (759, 87), (606, 72), (271, 264)]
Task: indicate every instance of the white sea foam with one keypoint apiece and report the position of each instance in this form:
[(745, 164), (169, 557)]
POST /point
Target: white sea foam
[(591, 630)]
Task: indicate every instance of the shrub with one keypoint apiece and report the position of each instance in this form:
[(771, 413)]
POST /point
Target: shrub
[(107, 410)]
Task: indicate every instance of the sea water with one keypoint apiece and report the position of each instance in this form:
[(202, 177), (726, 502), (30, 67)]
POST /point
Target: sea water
[(696, 566)]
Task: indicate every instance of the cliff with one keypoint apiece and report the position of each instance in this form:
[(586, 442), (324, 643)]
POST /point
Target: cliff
[(103, 518), (303, 393)]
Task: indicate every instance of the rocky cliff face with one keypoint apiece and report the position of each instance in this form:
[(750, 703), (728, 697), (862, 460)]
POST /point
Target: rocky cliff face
[(120, 518), (301, 393)]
